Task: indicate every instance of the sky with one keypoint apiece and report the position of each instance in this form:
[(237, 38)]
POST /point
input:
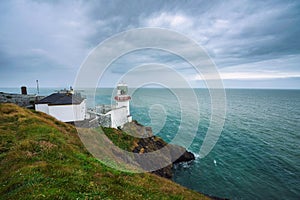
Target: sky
[(254, 44)]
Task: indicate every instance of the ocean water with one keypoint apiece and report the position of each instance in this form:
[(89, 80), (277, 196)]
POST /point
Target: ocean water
[(257, 155)]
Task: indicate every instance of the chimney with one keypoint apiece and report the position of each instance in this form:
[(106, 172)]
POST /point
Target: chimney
[(24, 90)]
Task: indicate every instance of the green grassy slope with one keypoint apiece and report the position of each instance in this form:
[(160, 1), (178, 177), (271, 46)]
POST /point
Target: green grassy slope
[(42, 158)]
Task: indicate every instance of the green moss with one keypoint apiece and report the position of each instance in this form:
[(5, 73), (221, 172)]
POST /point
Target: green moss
[(42, 158), (119, 138)]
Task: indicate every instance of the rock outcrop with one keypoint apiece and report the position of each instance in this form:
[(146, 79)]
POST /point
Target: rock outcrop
[(150, 143)]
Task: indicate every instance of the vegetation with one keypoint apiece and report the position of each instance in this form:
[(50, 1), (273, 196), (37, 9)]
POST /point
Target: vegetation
[(120, 138), (42, 158)]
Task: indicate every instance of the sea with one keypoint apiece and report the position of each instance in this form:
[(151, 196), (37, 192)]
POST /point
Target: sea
[(257, 155)]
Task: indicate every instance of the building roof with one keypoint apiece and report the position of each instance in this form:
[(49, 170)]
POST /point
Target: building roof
[(61, 99)]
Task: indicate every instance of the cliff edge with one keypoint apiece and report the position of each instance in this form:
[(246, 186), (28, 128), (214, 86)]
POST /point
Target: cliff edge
[(43, 158)]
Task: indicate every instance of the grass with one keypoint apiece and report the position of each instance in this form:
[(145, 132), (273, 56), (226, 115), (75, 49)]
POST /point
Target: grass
[(42, 158), (120, 138)]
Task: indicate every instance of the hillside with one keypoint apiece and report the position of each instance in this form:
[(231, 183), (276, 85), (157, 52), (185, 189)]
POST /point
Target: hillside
[(41, 157)]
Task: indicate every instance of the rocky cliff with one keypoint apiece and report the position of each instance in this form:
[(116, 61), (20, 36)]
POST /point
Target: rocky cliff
[(148, 142)]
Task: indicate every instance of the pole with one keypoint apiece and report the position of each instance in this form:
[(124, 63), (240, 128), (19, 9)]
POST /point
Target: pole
[(37, 87)]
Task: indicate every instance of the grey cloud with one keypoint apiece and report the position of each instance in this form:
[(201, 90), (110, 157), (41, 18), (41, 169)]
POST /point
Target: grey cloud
[(57, 35)]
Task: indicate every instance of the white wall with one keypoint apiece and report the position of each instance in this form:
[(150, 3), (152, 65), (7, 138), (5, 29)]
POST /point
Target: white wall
[(118, 117), (65, 113), (80, 111), (42, 107), (122, 104)]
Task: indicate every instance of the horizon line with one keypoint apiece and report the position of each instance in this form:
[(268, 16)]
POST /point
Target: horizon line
[(57, 87)]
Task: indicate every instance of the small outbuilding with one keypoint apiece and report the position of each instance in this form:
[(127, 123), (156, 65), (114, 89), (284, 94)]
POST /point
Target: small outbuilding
[(64, 106)]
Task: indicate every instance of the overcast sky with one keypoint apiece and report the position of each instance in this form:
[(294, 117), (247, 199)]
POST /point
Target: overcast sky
[(254, 44)]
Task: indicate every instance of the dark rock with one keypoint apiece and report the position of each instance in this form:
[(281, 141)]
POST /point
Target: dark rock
[(173, 153), (185, 157)]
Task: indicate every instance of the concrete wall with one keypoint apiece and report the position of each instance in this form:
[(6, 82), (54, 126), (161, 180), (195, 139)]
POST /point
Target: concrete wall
[(19, 99), (105, 120)]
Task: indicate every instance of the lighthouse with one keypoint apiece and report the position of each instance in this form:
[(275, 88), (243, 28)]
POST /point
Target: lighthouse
[(122, 98), (117, 115)]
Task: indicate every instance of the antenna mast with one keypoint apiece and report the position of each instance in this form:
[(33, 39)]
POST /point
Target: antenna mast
[(37, 87)]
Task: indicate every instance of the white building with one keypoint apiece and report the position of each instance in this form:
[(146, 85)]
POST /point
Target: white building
[(68, 107), (64, 106)]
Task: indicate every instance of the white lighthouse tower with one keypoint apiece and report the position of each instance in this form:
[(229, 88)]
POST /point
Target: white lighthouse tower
[(123, 98)]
